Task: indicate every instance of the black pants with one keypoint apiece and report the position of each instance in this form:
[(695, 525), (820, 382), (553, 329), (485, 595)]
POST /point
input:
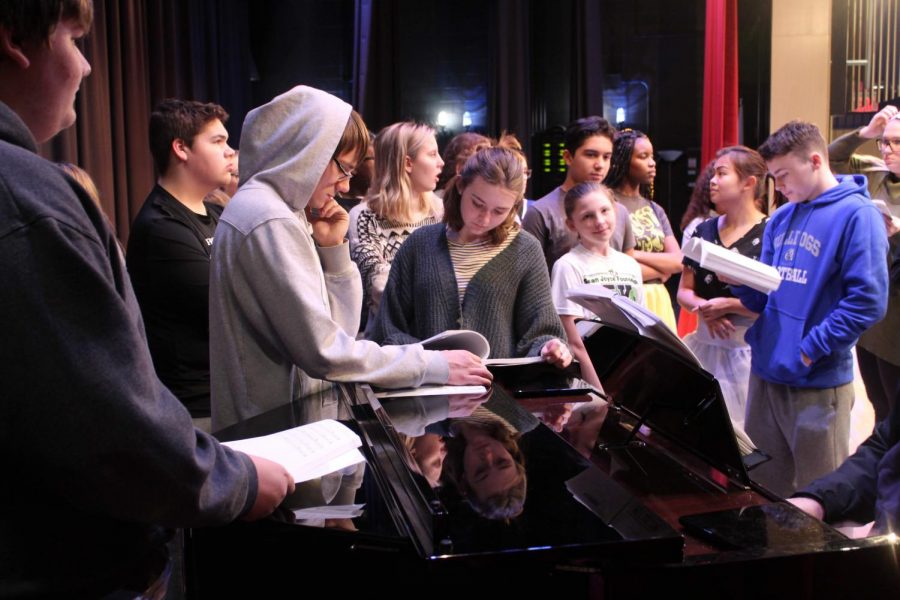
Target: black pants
[(882, 381)]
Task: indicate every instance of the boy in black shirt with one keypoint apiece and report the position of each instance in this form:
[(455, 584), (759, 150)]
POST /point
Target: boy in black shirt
[(170, 244)]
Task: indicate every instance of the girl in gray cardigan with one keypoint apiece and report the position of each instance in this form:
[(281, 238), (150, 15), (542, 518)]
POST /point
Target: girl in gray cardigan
[(476, 271)]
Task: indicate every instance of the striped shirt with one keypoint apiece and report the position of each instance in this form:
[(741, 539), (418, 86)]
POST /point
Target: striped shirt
[(468, 259)]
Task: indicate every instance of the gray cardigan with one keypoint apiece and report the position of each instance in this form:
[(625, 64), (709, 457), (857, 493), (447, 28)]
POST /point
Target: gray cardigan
[(508, 300)]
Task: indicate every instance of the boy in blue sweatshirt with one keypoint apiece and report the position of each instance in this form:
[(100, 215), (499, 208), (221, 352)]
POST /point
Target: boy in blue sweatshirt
[(828, 243)]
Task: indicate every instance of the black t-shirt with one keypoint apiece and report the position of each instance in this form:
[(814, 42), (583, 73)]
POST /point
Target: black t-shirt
[(706, 284), (168, 261)]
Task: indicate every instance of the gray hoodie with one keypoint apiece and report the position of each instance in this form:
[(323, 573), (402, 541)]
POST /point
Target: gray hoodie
[(283, 312)]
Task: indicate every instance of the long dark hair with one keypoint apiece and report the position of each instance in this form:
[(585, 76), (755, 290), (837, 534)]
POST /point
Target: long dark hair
[(700, 204), (620, 165)]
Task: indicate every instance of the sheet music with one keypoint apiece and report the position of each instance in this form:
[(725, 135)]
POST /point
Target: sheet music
[(719, 260), (337, 511), (432, 390), (308, 451)]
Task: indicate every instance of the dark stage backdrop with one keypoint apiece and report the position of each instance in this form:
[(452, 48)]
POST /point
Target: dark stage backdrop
[(142, 51), (523, 66)]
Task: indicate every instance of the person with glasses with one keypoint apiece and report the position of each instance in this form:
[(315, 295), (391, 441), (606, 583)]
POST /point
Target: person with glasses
[(361, 179), (400, 200), (285, 297), (877, 352)]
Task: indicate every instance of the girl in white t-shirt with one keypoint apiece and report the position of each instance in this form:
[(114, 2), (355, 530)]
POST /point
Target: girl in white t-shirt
[(591, 213)]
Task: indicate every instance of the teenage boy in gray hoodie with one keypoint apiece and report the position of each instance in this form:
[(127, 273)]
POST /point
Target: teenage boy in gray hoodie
[(285, 297)]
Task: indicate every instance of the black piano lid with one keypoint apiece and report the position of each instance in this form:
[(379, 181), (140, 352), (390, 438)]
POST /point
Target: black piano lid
[(553, 521), (652, 376), (443, 528)]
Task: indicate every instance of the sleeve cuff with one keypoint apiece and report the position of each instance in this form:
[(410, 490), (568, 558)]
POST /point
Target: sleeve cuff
[(252, 483), (335, 259), (438, 370)]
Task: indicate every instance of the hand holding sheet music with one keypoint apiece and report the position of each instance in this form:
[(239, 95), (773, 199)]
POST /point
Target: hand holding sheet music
[(732, 267), (308, 451)]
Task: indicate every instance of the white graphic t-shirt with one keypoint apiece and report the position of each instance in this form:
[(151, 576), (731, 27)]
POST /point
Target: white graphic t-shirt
[(616, 271)]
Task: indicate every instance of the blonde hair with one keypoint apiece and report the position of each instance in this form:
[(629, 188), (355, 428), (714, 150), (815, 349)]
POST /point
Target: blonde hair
[(82, 178), (390, 194), (496, 166)]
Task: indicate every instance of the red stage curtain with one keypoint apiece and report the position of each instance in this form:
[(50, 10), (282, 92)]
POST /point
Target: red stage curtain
[(720, 97), (720, 78)]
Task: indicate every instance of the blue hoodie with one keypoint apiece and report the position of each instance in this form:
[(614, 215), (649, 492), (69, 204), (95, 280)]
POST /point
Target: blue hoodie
[(830, 252)]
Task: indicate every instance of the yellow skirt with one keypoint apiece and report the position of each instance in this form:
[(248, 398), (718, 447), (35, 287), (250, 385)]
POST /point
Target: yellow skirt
[(660, 303)]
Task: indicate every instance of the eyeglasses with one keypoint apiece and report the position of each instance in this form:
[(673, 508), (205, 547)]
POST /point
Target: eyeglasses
[(345, 173), (888, 145)]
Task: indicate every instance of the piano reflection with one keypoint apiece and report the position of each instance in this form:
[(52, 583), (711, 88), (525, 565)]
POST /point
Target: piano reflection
[(561, 492)]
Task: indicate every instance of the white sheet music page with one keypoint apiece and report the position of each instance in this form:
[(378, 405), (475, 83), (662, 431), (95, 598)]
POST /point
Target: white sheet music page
[(308, 451)]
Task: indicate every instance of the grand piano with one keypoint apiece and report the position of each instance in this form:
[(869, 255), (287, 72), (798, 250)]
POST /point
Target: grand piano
[(648, 494)]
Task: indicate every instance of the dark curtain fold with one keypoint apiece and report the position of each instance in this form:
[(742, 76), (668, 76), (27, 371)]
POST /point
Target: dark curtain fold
[(720, 78), (587, 72), (509, 89), (377, 99), (109, 139), (362, 30), (142, 51)]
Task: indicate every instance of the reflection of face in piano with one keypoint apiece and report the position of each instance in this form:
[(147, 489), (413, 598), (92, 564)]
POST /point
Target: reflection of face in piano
[(429, 451), (486, 466)]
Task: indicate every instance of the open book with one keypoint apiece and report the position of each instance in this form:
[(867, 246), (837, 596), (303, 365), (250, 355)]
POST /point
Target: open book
[(743, 269), (477, 344), (308, 451), (627, 315), (458, 339)]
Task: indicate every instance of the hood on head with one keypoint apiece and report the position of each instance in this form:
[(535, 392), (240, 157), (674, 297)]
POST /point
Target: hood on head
[(288, 142)]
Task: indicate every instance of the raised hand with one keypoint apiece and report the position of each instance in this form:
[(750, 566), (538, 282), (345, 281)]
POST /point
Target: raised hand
[(329, 223)]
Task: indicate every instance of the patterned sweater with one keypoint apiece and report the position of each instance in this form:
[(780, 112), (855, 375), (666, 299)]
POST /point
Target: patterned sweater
[(374, 243)]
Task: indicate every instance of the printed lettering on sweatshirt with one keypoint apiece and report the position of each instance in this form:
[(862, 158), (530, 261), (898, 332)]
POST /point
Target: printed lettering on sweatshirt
[(788, 245)]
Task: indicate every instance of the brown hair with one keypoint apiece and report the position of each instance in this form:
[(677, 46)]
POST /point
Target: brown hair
[(748, 163), (83, 179), (457, 152), (390, 193), (354, 139), (583, 189), (798, 137), (31, 21), (502, 506), (496, 166), (175, 119), (700, 204)]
